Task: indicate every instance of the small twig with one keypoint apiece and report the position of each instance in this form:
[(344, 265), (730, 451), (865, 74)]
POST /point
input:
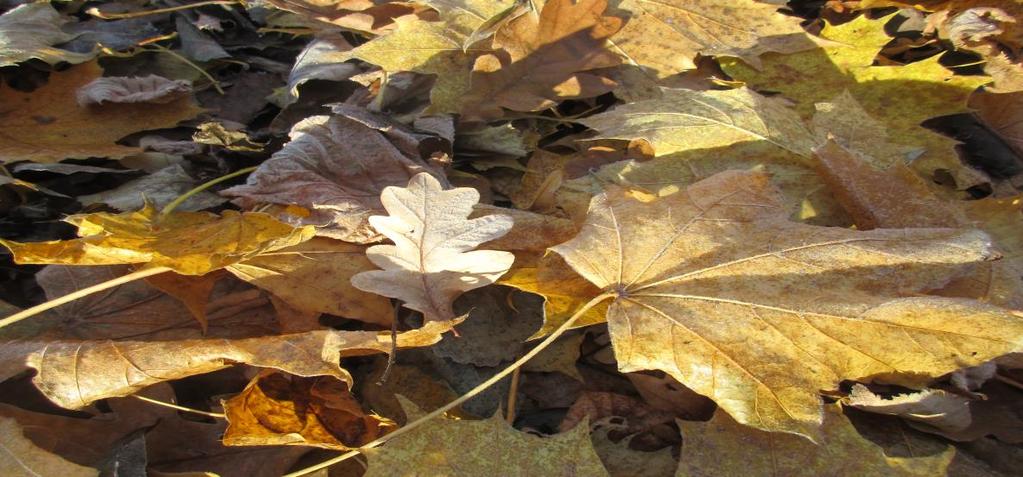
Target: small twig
[(35, 310), (465, 397), (118, 16), (393, 355), (206, 185), (213, 81), (181, 408), (1007, 380), (513, 391)]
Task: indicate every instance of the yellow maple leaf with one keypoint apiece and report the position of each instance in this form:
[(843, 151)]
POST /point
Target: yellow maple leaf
[(48, 124), (716, 287), (189, 243)]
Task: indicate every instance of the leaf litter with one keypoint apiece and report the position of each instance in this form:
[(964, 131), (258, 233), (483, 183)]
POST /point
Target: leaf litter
[(463, 237)]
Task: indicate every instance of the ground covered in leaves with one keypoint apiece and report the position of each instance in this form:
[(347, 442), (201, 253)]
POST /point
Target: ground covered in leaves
[(511, 237)]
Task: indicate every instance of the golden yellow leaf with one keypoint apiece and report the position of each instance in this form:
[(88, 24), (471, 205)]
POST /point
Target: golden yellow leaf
[(716, 287), (900, 96), (48, 124), (563, 290), (722, 446), (19, 457), (276, 409), (432, 261), (487, 447), (314, 277), (190, 243), (665, 36)]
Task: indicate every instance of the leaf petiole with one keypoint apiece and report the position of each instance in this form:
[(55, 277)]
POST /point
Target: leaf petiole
[(201, 187)]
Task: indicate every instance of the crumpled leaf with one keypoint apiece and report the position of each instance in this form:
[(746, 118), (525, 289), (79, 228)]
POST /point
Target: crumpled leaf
[(432, 261), (20, 457), (48, 125), (435, 48), (487, 447), (74, 374), (725, 447), (543, 60), (30, 31), (158, 188), (718, 289), (147, 89), (314, 277), (665, 36), (685, 119), (275, 409), (932, 408), (323, 59), (190, 243), (900, 97), (337, 166)]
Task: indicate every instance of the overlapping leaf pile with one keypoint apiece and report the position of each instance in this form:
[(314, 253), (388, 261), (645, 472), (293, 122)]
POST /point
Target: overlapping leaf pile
[(771, 238)]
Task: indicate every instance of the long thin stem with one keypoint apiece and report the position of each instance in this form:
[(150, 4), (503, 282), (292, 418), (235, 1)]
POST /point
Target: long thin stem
[(465, 397), (117, 16), (183, 197), (35, 310), (513, 392), (213, 81), (217, 415)]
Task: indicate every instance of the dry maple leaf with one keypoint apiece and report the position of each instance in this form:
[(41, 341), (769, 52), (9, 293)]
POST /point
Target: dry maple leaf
[(716, 287), (275, 409), (491, 446), (314, 277), (723, 447), (430, 263), (667, 35), (337, 166), (190, 243), (546, 59), (48, 124), (30, 31), (20, 457)]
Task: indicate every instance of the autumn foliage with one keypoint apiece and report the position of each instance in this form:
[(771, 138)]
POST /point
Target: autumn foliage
[(512, 237)]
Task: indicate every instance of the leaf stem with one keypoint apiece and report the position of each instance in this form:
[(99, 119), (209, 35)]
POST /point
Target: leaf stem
[(183, 197), (465, 397), (117, 16), (35, 310), (216, 415), (513, 392), (213, 81)]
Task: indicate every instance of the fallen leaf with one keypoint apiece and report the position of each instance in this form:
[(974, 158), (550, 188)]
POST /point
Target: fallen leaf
[(594, 407), (432, 261), (805, 306), (900, 97), (159, 188), (725, 447), (337, 166), (530, 232), (621, 460), (498, 322), (563, 290), (48, 125), (31, 31), (935, 409), (485, 447), (190, 243), (683, 120), (371, 16), (1003, 114), (275, 409), (149, 89), (20, 457), (665, 37), (542, 60), (322, 59), (314, 277), (191, 290)]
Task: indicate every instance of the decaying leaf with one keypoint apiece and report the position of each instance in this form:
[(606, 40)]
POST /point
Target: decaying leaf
[(48, 124), (685, 119), (337, 166), (931, 408), (20, 457), (190, 243), (73, 374), (159, 189), (901, 97), (30, 31), (432, 261), (485, 447), (666, 36), (545, 59), (717, 288), (149, 89), (275, 409), (314, 277), (725, 447)]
